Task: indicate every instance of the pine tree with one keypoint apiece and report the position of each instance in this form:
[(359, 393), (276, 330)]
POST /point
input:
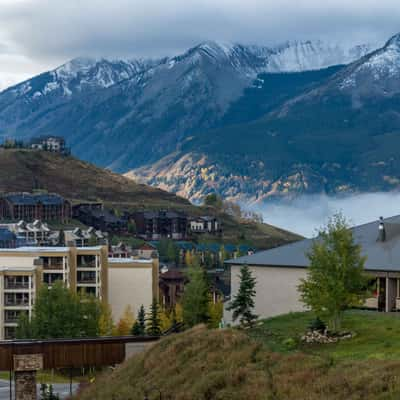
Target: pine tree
[(139, 327), (172, 252), (195, 298), (154, 322), (243, 303)]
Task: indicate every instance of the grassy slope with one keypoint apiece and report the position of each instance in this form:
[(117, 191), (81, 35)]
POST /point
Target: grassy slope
[(377, 336), (230, 365), (24, 170)]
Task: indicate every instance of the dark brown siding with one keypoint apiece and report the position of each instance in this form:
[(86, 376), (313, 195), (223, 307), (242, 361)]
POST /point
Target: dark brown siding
[(69, 353)]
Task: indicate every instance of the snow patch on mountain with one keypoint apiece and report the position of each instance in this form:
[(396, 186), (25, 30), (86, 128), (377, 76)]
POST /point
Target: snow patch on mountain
[(305, 56), (384, 63)]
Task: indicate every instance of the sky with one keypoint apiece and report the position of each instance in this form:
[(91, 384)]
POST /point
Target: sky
[(38, 35)]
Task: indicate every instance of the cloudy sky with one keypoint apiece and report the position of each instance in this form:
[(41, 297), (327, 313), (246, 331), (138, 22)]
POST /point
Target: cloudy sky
[(36, 35)]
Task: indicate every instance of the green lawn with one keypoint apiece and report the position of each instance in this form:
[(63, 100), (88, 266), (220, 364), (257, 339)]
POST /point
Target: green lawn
[(377, 336)]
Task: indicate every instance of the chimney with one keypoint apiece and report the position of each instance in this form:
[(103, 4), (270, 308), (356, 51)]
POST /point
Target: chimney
[(382, 230)]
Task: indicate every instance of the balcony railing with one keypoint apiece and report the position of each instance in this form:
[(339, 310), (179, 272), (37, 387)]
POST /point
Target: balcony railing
[(11, 320), (58, 265), (86, 281), (91, 264), (16, 285), (16, 303)]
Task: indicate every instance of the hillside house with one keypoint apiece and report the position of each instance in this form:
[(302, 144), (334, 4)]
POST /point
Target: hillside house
[(54, 144), (31, 207), (101, 219), (154, 225), (205, 224), (278, 271)]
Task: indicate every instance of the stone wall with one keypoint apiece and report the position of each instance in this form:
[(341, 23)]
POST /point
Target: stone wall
[(25, 385)]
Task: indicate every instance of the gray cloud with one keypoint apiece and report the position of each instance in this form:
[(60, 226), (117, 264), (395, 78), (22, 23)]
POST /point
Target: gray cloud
[(40, 34), (307, 214), (59, 29)]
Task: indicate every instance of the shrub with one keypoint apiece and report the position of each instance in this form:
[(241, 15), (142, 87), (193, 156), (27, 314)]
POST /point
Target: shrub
[(290, 343), (317, 325)]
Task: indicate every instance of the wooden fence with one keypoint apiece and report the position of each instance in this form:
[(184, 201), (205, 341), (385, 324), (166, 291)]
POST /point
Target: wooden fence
[(69, 353)]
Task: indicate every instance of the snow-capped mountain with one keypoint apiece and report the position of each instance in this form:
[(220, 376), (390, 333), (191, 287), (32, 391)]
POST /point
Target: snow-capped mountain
[(248, 121), (339, 135), (90, 73)]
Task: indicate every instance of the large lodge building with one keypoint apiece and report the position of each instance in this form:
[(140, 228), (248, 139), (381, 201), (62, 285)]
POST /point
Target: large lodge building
[(27, 206)]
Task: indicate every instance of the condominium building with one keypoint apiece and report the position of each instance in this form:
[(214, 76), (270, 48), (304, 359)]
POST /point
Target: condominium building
[(24, 269), (30, 206), (120, 282)]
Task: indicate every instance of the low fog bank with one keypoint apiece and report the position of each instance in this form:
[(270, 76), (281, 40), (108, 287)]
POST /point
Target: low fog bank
[(306, 214)]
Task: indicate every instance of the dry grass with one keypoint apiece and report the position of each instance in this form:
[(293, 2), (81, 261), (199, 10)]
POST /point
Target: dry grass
[(206, 364)]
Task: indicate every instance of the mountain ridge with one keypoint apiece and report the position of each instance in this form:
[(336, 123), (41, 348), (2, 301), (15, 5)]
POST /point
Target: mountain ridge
[(330, 138), (226, 109)]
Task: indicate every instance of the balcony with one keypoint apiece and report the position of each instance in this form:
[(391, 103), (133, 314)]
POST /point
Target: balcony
[(11, 320), (91, 264), (16, 303), (53, 265), (86, 281), (86, 278), (16, 285)]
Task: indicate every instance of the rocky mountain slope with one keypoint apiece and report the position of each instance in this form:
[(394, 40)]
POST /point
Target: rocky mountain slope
[(250, 122), (340, 134), (126, 113)]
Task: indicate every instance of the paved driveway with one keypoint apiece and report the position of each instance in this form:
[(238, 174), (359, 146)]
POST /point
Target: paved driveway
[(61, 389)]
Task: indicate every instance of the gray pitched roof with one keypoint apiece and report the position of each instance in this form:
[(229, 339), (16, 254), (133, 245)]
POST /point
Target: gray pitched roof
[(33, 199), (384, 256)]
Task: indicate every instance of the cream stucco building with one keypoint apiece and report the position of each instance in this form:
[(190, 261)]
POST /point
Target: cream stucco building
[(132, 282), (85, 269), (278, 271)]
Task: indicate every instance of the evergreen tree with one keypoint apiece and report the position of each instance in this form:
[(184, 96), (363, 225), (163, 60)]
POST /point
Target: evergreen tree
[(139, 327), (195, 298), (154, 322), (172, 252), (243, 303)]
